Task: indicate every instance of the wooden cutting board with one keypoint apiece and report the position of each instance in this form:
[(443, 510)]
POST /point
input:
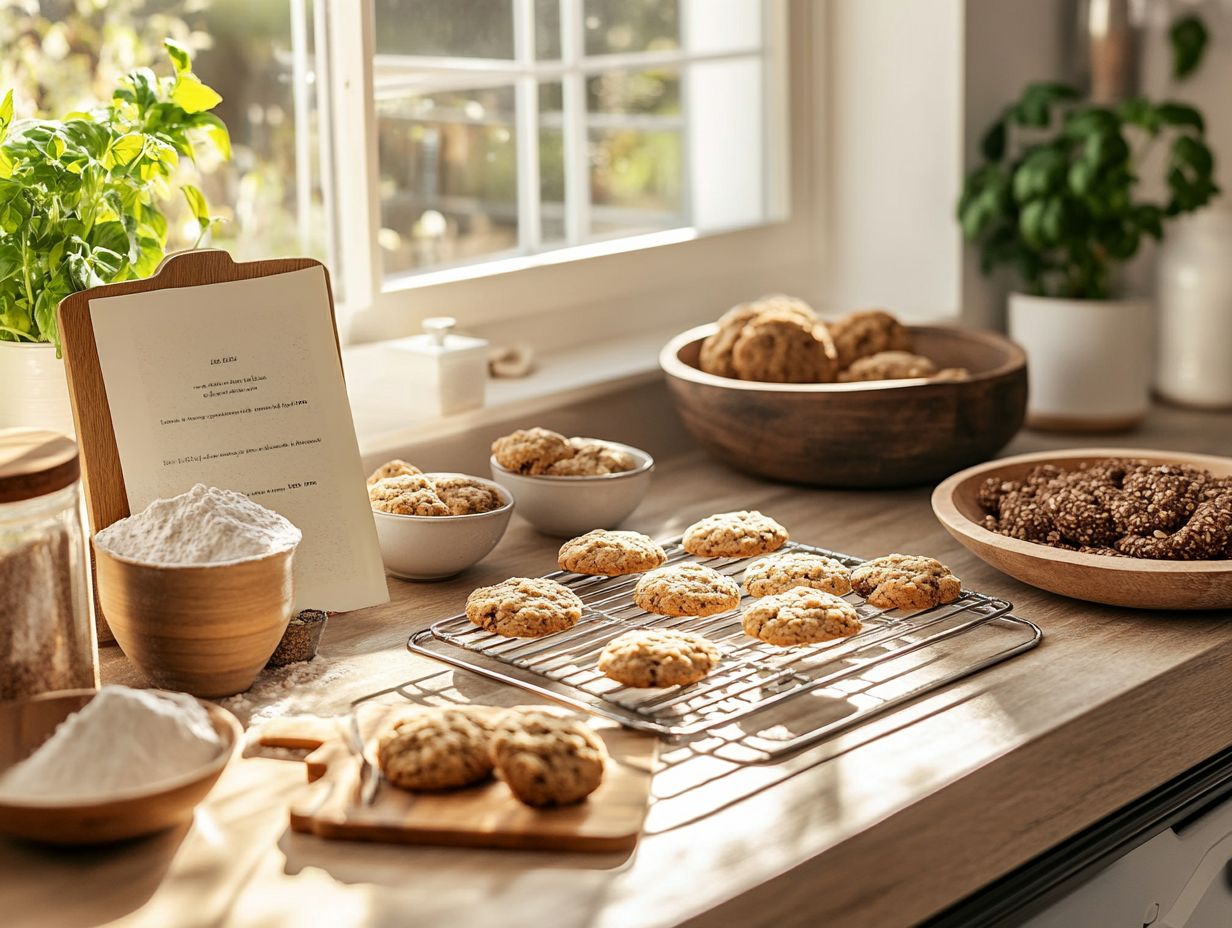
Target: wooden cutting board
[(486, 815)]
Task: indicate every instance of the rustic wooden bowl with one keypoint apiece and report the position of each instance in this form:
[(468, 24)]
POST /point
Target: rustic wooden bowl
[(205, 630), (1117, 581), (141, 810), (882, 434)]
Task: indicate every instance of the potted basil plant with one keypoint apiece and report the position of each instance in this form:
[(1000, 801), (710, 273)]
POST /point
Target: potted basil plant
[(81, 205), (1059, 200)]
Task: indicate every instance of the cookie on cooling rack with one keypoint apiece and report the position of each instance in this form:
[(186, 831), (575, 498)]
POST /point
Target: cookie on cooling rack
[(686, 589), (524, 607), (734, 534), (787, 569), (658, 657), (547, 759), (800, 616), (906, 581), (604, 553)]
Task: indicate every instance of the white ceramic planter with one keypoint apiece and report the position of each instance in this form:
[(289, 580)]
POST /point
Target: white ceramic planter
[(33, 389), (1088, 361)]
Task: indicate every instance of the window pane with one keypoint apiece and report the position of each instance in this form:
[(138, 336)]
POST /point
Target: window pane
[(616, 26), (448, 177), (547, 30), (63, 56), (448, 28), (635, 181), (632, 93), (551, 165)]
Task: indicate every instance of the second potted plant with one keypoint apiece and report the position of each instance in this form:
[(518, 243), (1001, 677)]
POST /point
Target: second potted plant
[(80, 206), (1058, 199)]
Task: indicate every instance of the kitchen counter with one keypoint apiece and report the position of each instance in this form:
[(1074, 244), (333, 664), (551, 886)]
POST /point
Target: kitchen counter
[(882, 826)]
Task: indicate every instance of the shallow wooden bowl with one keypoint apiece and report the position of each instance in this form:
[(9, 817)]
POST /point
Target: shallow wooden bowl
[(1117, 581), (140, 810), (882, 434), (208, 630)]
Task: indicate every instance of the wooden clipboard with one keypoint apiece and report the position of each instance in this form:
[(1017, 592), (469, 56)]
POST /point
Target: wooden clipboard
[(106, 495)]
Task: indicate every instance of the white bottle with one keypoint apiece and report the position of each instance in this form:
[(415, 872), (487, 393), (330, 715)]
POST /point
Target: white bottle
[(1193, 363), (445, 371)]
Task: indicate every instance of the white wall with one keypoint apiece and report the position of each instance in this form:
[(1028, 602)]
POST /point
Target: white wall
[(895, 87)]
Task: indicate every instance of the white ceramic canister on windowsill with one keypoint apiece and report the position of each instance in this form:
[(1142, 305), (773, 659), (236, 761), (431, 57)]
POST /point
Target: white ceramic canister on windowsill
[(1193, 361)]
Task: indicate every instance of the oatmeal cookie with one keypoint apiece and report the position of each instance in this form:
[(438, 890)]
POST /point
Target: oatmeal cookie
[(547, 760), (604, 553), (888, 365), (407, 495), (781, 572), (800, 616), (394, 468), (716, 351), (531, 451), (656, 657), (465, 496), (778, 347), (734, 534), (686, 589), (524, 607), (435, 749), (905, 581), (1157, 498), (867, 332), (592, 457)]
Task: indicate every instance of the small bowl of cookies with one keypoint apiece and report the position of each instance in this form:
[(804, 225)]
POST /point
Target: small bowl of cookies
[(859, 401), (565, 486), (433, 526)]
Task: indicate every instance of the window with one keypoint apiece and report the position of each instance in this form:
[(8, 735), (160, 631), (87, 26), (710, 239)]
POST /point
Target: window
[(419, 145), (511, 127)]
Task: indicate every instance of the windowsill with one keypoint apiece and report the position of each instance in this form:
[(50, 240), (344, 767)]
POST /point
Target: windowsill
[(388, 421)]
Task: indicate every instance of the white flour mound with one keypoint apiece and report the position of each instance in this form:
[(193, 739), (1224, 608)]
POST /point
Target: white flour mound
[(296, 689), (122, 739), (206, 525)]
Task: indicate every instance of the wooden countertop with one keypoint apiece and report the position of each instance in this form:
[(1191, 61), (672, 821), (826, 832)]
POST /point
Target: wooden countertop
[(882, 826)]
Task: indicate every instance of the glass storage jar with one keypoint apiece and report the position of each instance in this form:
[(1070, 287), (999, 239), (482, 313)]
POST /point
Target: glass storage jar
[(47, 635)]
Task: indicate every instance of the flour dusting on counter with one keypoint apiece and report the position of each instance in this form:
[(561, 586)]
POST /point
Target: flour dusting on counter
[(122, 739), (205, 525), (294, 689)]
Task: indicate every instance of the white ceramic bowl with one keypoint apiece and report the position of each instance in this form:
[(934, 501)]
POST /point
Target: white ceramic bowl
[(568, 506), (436, 547)]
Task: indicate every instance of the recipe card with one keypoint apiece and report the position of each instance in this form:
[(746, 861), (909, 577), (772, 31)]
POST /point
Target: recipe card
[(239, 385)]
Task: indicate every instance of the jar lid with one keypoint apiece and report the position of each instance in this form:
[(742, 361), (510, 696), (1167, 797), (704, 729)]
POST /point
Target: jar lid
[(34, 463)]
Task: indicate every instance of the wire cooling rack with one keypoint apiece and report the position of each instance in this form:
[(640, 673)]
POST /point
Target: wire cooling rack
[(897, 656)]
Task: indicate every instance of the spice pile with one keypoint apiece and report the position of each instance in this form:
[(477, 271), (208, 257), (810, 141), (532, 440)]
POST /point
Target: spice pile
[(1117, 507)]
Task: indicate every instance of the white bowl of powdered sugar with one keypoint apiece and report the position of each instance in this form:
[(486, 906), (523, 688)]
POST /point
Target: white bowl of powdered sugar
[(85, 767), (197, 588)]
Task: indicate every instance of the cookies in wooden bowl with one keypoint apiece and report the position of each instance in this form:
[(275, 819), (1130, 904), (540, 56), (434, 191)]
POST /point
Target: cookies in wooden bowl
[(855, 430), (1150, 536)]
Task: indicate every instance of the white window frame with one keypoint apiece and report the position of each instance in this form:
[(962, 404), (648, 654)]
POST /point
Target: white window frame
[(583, 291)]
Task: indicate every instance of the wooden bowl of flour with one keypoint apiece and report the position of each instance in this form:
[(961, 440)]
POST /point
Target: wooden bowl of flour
[(142, 809), (205, 630)]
